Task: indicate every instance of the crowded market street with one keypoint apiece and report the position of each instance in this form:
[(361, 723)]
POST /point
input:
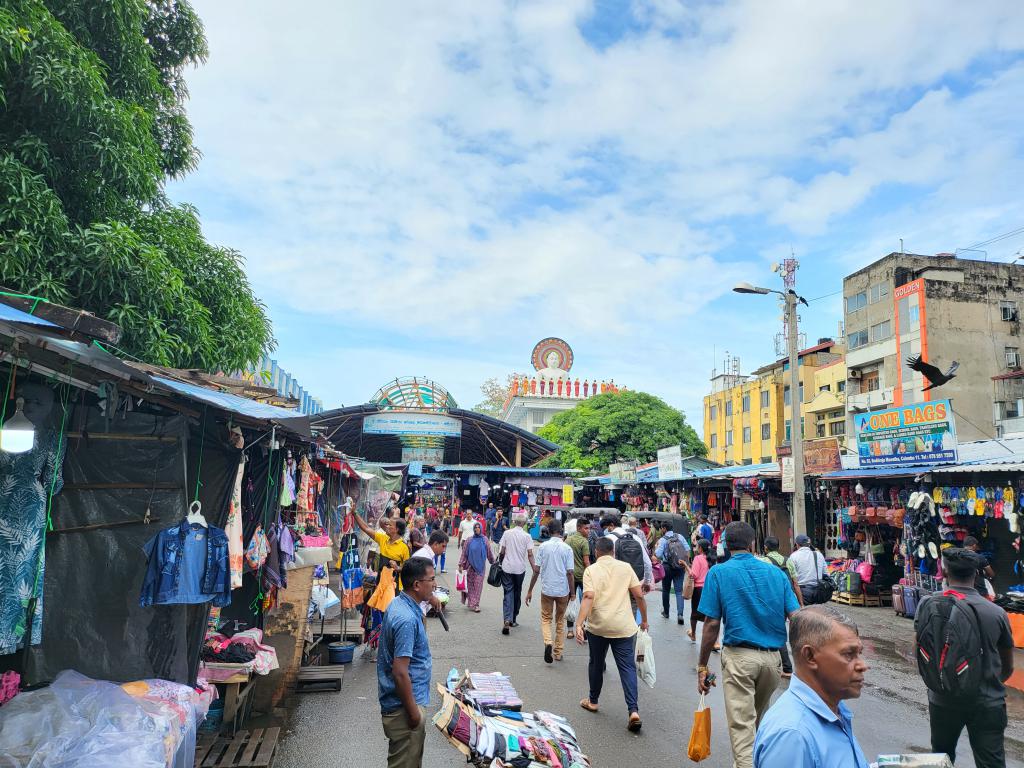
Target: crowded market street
[(328, 730)]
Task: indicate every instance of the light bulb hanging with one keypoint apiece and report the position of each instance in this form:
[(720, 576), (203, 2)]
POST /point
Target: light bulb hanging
[(18, 434)]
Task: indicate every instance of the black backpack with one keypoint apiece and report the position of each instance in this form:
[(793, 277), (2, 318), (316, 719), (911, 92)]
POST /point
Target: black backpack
[(678, 555), (631, 552), (950, 653)]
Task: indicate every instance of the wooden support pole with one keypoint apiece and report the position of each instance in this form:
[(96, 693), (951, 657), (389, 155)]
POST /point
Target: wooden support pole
[(519, 451)]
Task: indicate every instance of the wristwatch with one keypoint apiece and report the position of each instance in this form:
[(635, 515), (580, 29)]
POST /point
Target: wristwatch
[(701, 668)]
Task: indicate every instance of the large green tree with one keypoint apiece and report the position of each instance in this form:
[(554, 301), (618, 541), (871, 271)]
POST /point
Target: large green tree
[(615, 426), (495, 393), (92, 125)]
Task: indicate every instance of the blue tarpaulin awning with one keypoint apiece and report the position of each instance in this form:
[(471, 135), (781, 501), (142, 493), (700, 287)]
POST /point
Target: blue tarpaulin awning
[(294, 420), (12, 315)]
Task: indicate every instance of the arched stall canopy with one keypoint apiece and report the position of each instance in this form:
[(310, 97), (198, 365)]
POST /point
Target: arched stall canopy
[(455, 436)]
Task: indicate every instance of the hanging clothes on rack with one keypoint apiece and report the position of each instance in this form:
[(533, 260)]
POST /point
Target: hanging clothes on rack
[(234, 527)]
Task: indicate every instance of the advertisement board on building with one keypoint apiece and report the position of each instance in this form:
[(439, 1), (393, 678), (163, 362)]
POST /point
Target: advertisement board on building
[(788, 474), (403, 423), (429, 456), (920, 433), (622, 472), (821, 456), (670, 463), (568, 494)]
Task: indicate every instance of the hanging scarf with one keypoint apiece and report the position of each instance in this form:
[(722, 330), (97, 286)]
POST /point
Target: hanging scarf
[(476, 551)]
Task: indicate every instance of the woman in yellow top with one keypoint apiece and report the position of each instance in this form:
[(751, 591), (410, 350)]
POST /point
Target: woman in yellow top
[(393, 551)]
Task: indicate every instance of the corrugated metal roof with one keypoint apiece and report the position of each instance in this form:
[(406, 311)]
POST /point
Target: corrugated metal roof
[(997, 466), (499, 469), (240, 405), (739, 470), (12, 315)]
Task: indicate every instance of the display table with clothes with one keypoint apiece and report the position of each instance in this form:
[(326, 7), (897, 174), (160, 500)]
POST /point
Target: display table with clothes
[(98, 724), (480, 715)]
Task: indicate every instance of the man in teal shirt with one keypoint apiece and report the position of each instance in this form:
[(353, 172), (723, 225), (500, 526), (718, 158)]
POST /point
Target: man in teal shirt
[(753, 598), (810, 726)]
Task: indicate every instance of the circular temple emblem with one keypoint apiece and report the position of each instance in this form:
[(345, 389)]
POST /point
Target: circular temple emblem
[(552, 353)]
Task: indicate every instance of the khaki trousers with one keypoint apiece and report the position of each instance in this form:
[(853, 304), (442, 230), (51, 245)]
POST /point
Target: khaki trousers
[(559, 604), (405, 744), (749, 678)]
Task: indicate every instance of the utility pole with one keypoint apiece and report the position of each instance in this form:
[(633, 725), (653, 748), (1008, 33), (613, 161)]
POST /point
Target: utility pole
[(796, 432)]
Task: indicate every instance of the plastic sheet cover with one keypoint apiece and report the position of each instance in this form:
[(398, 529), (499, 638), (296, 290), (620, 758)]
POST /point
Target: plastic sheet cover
[(95, 724)]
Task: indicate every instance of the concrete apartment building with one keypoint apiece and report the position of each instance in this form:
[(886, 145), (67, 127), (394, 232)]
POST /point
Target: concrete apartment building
[(747, 417), (945, 308)]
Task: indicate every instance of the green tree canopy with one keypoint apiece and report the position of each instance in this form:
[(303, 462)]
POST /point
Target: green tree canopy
[(92, 125), (495, 392), (618, 425)]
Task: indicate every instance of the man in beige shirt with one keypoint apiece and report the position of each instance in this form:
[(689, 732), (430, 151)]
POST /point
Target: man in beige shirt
[(608, 618)]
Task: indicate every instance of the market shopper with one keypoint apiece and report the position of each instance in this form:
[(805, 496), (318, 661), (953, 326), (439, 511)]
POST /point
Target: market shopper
[(475, 557), (554, 566), (404, 667), (753, 598), (810, 726), (776, 558), (466, 528), (499, 527), (579, 543), (810, 569), (606, 621), (983, 714), (674, 555), (393, 550), (515, 555), (985, 570), (434, 548), (698, 572)]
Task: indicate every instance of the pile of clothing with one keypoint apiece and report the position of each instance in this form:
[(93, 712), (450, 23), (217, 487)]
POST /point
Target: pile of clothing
[(491, 736), (244, 647)]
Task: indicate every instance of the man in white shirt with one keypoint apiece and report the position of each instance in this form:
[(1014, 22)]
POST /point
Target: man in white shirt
[(555, 566), (515, 553), (466, 528), (809, 565)]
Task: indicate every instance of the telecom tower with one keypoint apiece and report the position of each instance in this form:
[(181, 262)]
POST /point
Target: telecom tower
[(787, 270)]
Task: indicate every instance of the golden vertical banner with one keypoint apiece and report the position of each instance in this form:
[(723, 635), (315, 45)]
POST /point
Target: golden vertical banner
[(567, 497)]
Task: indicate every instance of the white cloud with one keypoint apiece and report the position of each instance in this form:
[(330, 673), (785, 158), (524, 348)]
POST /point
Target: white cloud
[(477, 174)]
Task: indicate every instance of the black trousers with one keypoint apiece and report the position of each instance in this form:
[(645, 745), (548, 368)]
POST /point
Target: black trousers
[(985, 726), (512, 583)]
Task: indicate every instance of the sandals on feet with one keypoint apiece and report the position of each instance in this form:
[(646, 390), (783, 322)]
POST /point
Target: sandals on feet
[(635, 723), (587, 705)]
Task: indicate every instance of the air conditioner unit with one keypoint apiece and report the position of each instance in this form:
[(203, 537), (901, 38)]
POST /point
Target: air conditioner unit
[(855, 373), (1012, 360)]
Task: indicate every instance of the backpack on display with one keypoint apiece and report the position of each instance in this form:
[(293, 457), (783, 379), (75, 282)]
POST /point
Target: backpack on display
[(677, 553), (630, 551), (950, 654)]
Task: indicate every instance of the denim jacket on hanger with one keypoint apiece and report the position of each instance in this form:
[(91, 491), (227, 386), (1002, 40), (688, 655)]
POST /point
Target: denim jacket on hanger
[(167, 553)]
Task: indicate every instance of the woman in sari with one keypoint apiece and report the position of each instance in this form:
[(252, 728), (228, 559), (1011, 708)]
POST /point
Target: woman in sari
[(475, 555)]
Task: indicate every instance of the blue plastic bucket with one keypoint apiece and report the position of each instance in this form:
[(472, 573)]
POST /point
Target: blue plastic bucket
[(340, 652)]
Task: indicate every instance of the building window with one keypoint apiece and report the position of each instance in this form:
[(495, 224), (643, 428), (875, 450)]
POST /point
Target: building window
[(857, 339), (746, 434), (728, 408), (748, 461), (881, 331), (870, 382), (1012, 357), (714, 441), (837, 428), (1009, 311), (765, 398), (766, 431), (820, 429), (766, 459), (787, 431), (878, 292), (746, 403), (855, 302), (825, 388), (728, 438), (714, 412), (840, 386)]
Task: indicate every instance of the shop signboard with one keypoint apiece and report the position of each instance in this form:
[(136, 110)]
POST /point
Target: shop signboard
[(622, 472), (919, 433), (429, 456), (788, 474), (821, 456), (411, 423), (670, 463), (567, 494)]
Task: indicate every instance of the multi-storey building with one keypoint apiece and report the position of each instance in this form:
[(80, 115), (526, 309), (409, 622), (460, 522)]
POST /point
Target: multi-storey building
[(747, 417), (825, 412), (946, 309)]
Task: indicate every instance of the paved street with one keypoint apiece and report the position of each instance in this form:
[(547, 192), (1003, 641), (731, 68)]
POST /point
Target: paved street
[(332, 730)]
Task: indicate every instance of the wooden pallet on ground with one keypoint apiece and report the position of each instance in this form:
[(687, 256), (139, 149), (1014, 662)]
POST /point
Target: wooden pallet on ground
[(864, 600), (326, 677), (251, 749)]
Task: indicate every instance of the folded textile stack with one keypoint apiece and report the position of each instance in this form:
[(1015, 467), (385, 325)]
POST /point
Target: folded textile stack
[(506, 738), (490, 690)]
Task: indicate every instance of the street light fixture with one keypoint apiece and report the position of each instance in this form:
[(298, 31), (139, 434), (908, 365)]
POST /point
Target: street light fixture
[(796, 423)]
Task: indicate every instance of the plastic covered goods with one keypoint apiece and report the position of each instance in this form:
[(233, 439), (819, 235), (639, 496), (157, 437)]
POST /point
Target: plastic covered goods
[(83, 723), (645, 658)]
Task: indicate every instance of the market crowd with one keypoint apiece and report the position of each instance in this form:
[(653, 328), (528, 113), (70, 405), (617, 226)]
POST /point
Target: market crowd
[(763, 616)]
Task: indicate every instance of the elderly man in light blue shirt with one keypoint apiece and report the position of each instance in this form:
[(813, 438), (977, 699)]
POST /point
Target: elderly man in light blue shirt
[(810, 726), (555, 565)]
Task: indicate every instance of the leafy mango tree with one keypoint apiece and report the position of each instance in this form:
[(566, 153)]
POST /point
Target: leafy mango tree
[(92, 126)]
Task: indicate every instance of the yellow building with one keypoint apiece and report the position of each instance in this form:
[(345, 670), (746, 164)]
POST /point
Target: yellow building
[(747, 418), (825, 413)]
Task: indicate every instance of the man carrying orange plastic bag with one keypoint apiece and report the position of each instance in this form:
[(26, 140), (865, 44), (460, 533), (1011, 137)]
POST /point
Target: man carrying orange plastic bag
[(700, 737)]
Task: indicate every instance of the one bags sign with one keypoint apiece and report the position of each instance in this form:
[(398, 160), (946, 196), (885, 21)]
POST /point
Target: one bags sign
[(919, 433)]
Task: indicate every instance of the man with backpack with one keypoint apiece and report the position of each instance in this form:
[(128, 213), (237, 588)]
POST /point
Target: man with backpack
[(809, 564), (776, 558), (675, 557), (631, 548), (964, 655)]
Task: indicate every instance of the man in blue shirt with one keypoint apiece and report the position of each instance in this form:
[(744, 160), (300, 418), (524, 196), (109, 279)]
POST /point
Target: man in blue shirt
[(753, 598), (810, 726), (404, 666)]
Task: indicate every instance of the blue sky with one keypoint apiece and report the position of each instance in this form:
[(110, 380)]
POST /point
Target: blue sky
[(425, 188)]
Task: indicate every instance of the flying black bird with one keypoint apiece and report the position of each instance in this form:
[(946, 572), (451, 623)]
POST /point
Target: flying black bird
[(936, 378)]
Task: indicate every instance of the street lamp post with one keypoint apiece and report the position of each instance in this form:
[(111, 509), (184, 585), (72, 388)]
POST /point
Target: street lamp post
[(796, 431)]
